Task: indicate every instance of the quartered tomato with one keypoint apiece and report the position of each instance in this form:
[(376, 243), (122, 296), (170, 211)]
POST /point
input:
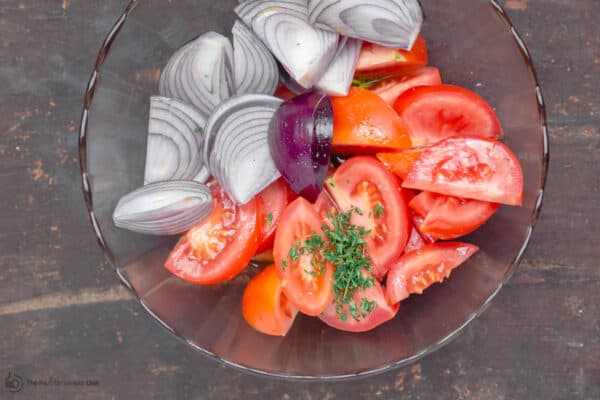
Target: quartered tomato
[(364, 123), (265, 307), (392, 88), (415, 241), (417, 221), (415, 271), (220, 247), (433, 113), (326, 206), (400, 163), (379, 60), (271, 202), (423, 203), (469, 167), (307, 286), (364, 184), (382, 312), (452, 217)]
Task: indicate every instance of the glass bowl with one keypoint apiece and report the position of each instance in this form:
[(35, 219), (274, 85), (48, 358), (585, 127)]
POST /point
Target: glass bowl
[(474, 45)]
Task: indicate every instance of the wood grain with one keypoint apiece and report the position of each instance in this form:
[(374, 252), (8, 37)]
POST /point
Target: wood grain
[(62, 315)]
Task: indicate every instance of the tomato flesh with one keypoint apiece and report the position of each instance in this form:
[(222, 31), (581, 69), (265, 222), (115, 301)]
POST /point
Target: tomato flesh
[(423, 203), (220, 247), (469, 167), (363, 184), (380, 60), (382, 312), (401, 163), (306, 287), (265, 307), (392, 88), (433, 113), (270, 204), (415, 271), (415, 241), (364, 124)]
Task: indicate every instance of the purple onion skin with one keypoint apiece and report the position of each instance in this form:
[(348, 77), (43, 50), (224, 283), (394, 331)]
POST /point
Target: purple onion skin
[(300, 139)]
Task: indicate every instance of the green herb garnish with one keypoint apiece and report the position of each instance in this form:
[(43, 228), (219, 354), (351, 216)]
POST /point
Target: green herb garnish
[(365, 83), (269, 219), (199, 130), (378, 210)]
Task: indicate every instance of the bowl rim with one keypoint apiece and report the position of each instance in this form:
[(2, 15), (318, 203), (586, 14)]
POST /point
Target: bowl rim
[(87, 193)]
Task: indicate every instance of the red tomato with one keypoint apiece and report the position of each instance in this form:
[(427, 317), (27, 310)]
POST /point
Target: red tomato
[(417, 221), (271, 202), (265, 307), (415, 271), (363, 183), (306, 288), (220, 247), (379, 60), (452, 217), (433, 113), (325, 205), (423, 203), (400, 163), (364, 123), (383, 312), (415, 241), (472, 168), (392, 88), (284, 93)]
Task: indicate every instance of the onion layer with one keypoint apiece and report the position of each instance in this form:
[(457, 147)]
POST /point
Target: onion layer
[(391, 23), (200, 73), (236, 146), (163, 208), (338, 78)]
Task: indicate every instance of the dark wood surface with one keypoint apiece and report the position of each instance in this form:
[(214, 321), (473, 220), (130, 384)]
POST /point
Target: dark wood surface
[(63, 314)]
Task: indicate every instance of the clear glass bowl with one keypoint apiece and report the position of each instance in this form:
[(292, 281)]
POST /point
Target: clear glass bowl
[(474, 45)]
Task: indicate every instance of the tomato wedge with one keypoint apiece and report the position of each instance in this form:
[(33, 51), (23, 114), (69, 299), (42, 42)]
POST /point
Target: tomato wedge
[(433, 113), (364, 184), (453, 217), (382, 312), (221, 246), (284, 93), (415, 241), (364, 123), (472, 168), (270, 205), (392, 88), (307, 287), (325, 206), (380, 60), (415, 271), (423, 203), (265, 307), (400, 163)]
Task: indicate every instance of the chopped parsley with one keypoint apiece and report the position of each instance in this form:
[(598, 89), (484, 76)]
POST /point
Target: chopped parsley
[(330, 182), (378, 210), (199, 130), (365, 83), (269, 219)]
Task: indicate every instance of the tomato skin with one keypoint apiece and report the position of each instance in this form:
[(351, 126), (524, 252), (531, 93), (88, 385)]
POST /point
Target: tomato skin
[(265, 307), (221, 246), (363, 183), (392, 88), (469, 167), (364, 124), (433, 113), (415, 271), (382, 313), (325, 205), (271, 202), (310, 293), (423, 203), (376, 60), (451, 217), (400, 163), (415, 241), (284, 93)]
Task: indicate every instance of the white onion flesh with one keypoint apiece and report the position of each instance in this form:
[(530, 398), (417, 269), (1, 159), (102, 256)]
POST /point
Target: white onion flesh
[(303, 50), (175, 141), (391, 23), (200, 73), (163, 208), (236, 148), (338, 78), (255, 68)]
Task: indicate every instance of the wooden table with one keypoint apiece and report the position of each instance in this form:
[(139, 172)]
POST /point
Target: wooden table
[(63, 314)]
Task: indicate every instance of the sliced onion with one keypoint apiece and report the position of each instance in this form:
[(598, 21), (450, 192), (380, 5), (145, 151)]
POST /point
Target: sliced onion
[(282, 25), (255, 67), (392, 23), (236, 146), (300, 139), (163, 208), (175, 141), (338, 78), (200, 73)]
